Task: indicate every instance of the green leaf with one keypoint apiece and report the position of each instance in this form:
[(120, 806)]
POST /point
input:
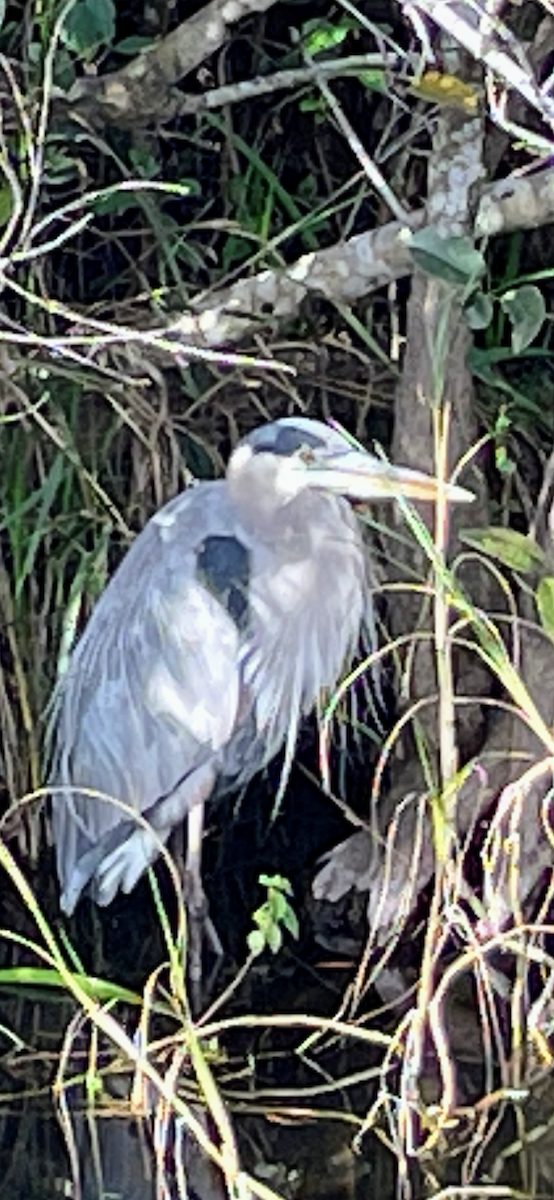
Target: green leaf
[(314, 104), (515, 550), (235, 250), (503, 462), (133, 45), (545, 604), (480, 359), (290, 921), (89, 25), (276, 881), (479, 311), (65, 72), (274, 913), (256, 942), (144, 164), (503, 422), (374, 81), (41, 977), (526, 310), (278, 904), (262, 917), (453, 259), (319, 36), (274, 938)]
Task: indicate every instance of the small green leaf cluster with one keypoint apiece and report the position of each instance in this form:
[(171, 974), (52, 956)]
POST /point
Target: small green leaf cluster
[(520, 553), (457, 262), (273, 916)]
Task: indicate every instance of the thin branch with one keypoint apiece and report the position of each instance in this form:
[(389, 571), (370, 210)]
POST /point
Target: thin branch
[(279, 81), (368, 165)]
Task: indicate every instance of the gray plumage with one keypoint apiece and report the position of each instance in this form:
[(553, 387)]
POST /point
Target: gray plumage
[(239, 602)]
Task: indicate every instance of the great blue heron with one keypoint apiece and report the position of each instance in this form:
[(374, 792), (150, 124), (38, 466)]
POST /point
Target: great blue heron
[(239, 602)]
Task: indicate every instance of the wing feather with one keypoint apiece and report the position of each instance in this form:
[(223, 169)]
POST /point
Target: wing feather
[(152, 693)]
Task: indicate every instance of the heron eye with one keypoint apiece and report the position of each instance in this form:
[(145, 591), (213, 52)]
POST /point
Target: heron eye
[(306, 454)]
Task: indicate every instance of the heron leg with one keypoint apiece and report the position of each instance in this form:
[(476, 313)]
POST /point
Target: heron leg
[(193, 864), (200, 924)]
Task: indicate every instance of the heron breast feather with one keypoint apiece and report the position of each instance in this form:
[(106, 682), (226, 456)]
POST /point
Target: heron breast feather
[(193, 681)]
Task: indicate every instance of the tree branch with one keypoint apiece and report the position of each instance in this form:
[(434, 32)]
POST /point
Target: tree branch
[(144, 89), (349, 270)]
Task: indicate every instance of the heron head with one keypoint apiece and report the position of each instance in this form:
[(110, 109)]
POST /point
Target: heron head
[(278, 461)]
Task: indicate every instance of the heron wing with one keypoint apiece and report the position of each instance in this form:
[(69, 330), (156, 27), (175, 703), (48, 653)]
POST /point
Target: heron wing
[(152, 694)]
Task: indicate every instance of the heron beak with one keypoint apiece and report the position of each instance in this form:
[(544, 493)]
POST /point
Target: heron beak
[(362, 477)]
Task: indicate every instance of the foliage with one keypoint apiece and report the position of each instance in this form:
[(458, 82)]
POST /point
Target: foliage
[(455, 260), (274, 915), (90, 25), (519, 553)]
